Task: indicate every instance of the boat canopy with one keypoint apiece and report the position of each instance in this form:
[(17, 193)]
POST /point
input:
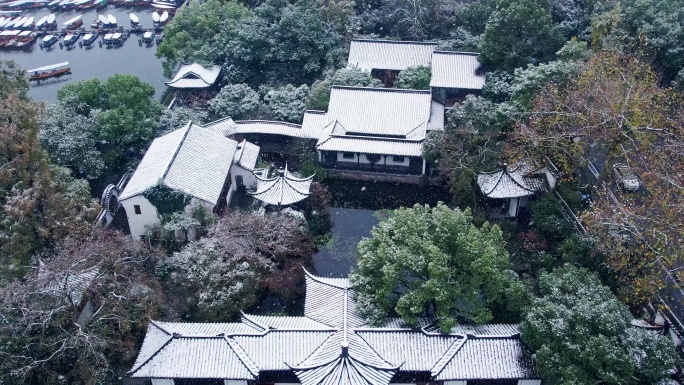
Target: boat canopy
[(148, 35), (54, 2), (28, 22), (117, 36), (103, 19), (72, 21), (108, 36), (12, 32), (24, 33), (161, 6), (49, 38), (155, 17), (112, 19), (20, 22), (134, 18), (42, 21), (51, 18), (164, 17), (50, 67)]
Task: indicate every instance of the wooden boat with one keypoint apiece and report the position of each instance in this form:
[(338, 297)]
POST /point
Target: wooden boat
[(49, 71), (74, 23), (95, 24), (41, 22), (49, 41), (163, 8), (83, 4), (71, 39), (155, 20), (117, 38), (135, 22), (99, 4), (67, 4), (54, 4), (104, 22), (25, 39), (28, 24), (8, 38), (89, 38), (148, 36), (17, 24), (51, 22), (164, 18)]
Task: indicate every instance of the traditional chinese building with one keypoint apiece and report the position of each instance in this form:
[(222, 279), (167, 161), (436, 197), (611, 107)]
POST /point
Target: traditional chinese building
[(513, 186), (331, 344), (194, 76), (282, 190)]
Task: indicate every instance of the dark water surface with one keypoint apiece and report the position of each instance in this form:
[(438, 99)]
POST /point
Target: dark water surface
[(96, 62), (338, 256)]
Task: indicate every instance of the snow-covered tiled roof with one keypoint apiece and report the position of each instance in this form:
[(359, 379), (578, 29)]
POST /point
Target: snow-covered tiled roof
[(282, 190), (389, 54), (378, 111), (192, 159), (379, 121), (509, 183), (451, 69), (489, 359), (246, 155), (194, 76), (330, 344), (222, 126), (70, 285)]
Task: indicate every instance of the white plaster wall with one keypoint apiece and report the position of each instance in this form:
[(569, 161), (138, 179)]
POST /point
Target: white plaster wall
[(247, 177), (455, 382), (341, 159), (162, 381), (139, 223), (364, 159), (392, 162), (513, 207), (529, 382), (235, 382)]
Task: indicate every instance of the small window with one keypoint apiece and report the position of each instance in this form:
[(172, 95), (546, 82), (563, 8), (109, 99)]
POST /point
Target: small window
[(348, 155), (398, 159), (136, 208)]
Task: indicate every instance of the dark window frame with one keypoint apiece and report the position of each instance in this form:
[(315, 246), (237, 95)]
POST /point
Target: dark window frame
[(137, 210), (348, 155), (396, 159)]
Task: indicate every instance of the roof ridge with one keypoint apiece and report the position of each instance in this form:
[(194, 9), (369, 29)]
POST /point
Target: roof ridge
[(175, 153), (268, 121), (259, 324), (319, 280), (505, 170), (169, 339), (382, 89), (396, 41), (243, 356), (444, 360), (445, 52)]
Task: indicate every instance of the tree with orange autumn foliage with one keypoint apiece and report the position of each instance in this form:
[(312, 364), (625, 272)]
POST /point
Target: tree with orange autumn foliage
[(616, 104)]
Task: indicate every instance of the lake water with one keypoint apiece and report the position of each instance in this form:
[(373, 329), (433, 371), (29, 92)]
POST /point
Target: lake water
[(95, 62)]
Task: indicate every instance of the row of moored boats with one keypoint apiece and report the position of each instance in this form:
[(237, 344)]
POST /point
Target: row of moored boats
[(64, 5)]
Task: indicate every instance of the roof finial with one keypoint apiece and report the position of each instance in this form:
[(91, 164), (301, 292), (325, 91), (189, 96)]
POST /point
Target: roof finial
[(345, 348)]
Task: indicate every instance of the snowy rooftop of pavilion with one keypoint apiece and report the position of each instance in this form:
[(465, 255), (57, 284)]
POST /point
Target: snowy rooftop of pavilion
[(194, 76), (282, 190), (510, 182), (389, 54), (330, 344)]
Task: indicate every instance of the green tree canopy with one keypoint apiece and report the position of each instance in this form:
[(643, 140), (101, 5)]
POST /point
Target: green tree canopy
[(126, 115), (518, 33), (414, 78), (581, 334), (425, 261), (287, 103), (201, 33), (237, 101)]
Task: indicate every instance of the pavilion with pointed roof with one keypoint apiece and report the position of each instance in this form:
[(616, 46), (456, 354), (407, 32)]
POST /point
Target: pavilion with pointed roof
[(514, 185), (331, 344), (284, 189)]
